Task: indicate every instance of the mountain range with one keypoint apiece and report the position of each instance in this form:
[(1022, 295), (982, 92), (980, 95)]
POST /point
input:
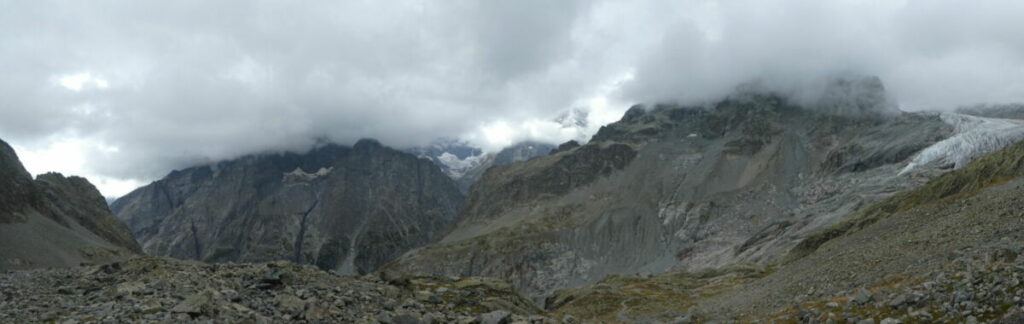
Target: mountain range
[(759, 207)]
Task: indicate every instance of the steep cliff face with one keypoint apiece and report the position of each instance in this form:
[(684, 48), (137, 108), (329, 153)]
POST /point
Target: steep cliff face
[(16, 190), (54, 220), (340, 208), (682, 187)]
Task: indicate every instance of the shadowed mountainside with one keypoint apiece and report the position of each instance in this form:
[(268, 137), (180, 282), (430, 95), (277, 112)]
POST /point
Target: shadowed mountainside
[(55, 221), (340, 208)]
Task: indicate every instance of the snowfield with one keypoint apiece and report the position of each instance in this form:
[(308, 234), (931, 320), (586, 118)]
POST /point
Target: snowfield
[(973, 136), (458, 167)]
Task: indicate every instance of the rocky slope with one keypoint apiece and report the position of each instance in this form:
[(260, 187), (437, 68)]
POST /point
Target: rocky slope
[(55, 221), (162, 290), (667, 187), (339, 208), (947, 251)]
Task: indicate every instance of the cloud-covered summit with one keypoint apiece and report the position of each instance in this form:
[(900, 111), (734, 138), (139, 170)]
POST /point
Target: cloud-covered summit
[(132, 89)]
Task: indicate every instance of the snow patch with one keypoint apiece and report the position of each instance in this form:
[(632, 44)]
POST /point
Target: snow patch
[(298, 174), (456, 167), (973, 136)]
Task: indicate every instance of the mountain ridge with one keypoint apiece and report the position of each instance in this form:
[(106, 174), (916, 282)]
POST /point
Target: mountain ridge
[(347, 209), (697, 169), (55, 221)]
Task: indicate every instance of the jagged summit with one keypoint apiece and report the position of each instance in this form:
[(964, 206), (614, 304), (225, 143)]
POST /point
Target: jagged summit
[(855, 96), (366, 144), (55, 221), (16, 189), (847, 95)]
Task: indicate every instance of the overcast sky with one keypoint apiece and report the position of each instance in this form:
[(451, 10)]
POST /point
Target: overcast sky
[(123, 92)]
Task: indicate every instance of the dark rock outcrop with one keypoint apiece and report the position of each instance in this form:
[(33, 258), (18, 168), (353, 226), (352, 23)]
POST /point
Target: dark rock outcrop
[(55, 221), (17, 192), (566, 146), (521, 152), (344, 209)]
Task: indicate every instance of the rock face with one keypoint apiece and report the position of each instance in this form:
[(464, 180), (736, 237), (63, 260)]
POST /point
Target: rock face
[(17, 193), (344, 209), (684, 187), (942, 252), (55, 221)]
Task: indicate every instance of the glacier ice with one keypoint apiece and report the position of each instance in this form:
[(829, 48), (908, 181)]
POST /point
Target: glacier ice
[(973, 136)]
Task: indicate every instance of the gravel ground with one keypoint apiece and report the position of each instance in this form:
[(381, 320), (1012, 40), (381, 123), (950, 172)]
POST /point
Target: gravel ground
[(149, 289)]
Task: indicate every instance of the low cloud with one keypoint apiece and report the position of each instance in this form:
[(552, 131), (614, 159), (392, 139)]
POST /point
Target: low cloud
[(147, 87)]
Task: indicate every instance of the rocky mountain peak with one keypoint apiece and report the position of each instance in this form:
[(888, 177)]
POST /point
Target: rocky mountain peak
[(367, 144), (55, 220), (571, 144), (856, 96), (16, 189), (634, 113), (75, 200), (344, 209)]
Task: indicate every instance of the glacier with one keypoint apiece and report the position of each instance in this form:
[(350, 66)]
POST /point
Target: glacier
[(972, 136), (456, 167)]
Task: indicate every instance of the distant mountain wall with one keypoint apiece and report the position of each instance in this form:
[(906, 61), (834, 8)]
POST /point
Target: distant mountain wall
[(340, 208)]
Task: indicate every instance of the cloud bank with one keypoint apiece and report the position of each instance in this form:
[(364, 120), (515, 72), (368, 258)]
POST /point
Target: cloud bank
[(140, 88)]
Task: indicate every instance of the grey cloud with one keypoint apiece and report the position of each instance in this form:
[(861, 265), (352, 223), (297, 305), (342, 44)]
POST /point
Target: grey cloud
[(196, 81), (931, 54)]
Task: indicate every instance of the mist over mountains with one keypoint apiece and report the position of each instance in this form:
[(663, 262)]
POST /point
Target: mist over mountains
[(116, 95), (720, 201), (512, 162)]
